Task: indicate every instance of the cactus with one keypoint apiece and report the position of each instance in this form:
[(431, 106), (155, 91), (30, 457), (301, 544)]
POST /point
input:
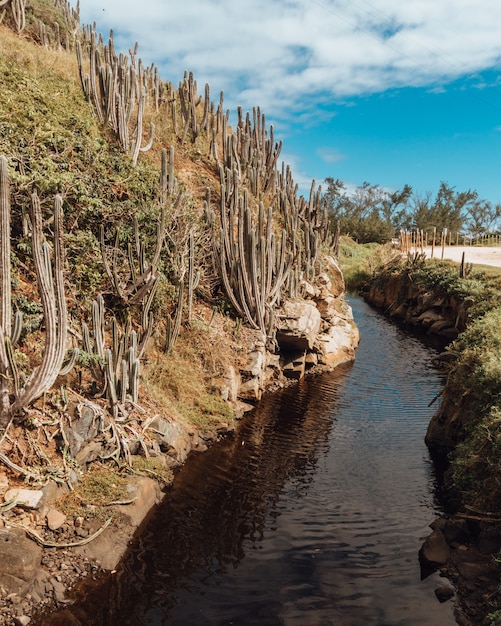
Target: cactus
[(116, 367), (251, 263), (51, 290), (115, 87)]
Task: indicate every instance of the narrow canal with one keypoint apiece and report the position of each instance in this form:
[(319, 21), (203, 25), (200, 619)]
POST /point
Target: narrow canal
[(311, 515)]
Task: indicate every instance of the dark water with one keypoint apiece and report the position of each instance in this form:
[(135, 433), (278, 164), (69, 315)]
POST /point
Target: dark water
[(312, 515)]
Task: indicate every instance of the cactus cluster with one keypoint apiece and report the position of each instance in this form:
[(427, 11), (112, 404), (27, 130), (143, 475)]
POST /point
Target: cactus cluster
[(252, 262), (117, 89), (266, 239), (51, 289), (18, 11), (116, 367)]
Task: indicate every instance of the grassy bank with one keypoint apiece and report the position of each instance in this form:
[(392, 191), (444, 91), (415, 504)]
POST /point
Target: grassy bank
[(472, 362)]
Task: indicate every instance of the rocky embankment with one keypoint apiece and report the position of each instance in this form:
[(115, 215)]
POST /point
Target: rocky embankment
[(438, 314), (45, 552)]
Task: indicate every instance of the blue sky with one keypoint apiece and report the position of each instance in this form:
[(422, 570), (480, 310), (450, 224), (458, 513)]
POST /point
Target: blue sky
[(385, 91)]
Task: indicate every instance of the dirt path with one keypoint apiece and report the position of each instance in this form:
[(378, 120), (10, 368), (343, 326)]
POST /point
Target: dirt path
[(473, 254)]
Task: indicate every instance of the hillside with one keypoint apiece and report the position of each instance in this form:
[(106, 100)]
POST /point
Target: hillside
[(158, 272)]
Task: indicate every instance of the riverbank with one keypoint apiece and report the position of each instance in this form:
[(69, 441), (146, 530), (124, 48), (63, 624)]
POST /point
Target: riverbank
[(462, 304), (150, 293)]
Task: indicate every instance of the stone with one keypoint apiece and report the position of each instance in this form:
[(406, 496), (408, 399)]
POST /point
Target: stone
[(27, 498), (171, 437), (434, 552), (20, 560), (337, 345), (22, 620), (59, 590), (444, 593), (231, 383), (298, 323), (333, 269), (251, 389), (83, 428), (109, 547), (255, 363), (89, 452), (55, 519)]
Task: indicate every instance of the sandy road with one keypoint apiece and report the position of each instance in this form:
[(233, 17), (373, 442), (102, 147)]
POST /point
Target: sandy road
[(473, 254)]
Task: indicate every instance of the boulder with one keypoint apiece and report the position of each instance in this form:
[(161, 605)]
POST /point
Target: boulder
[(83, 428), (298, 323), (337, 284), (337, 345), (171, 437), (434, 552), (20, 560)]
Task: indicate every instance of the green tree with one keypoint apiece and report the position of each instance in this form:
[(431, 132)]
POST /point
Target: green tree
[(483, 217), (369, 213), (447, 211)]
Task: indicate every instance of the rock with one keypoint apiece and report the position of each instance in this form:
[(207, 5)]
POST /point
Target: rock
[(337, 345), (251, 389), (109, 547), (52, 492), (22, 620), (444, 593), (298, 323), (231, 383), (171, 437), (20, 560), (337, 284), (456, 531), (434, 552), (55, 519), (88, 453), (27, 498), (59, 590), (255, 363), (83, 428)]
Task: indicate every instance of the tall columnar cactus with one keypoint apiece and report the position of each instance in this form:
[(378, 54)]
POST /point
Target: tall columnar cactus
[(116, 367), (18, 8), (252, 263), (5, 290), (116, 88), (51, 290)]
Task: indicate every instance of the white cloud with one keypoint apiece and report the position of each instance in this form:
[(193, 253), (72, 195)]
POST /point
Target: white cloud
[(286, 55), (330, 155)]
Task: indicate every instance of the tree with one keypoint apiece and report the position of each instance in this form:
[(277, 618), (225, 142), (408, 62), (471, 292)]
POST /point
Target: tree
[(448, 210), (370, 213), (483, 217)]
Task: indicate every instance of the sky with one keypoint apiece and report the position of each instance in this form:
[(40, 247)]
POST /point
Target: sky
[(388, 92)]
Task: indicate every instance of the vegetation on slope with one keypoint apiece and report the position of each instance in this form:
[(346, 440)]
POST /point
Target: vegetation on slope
[(176, 250)]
